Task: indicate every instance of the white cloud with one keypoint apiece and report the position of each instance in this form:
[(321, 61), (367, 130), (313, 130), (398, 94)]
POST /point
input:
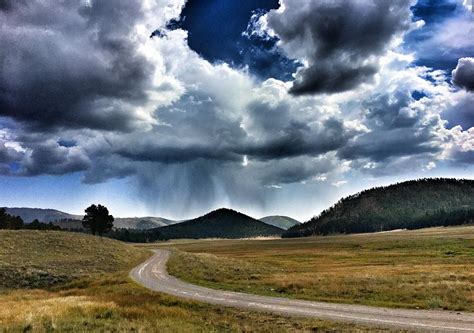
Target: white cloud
[(195, 134)]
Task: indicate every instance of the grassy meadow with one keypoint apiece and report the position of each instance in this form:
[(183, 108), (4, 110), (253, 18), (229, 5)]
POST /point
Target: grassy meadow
[(69, 282), (39, 259), (428, 268)]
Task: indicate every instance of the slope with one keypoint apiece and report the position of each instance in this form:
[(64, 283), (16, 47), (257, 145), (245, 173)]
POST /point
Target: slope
[(143, 223), (408, 205), (283, 222), (36, 259), (221, 223), (42, 215)]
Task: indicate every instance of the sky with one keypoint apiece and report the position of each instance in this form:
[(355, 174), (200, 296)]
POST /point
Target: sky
[(173, 108)]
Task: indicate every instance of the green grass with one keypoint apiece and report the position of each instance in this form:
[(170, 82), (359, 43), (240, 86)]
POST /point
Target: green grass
[(430, 268), (100, 297)]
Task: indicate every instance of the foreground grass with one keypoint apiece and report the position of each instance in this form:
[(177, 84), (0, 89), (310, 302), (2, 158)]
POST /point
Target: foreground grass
[(115, 304), (103, 299), (430, 268)]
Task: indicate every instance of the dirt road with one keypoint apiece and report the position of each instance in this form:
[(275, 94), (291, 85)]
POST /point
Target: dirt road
[(153, 275)]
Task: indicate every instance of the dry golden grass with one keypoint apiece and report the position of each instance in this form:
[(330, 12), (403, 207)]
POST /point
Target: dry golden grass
[(41, 310), (429, 268), (113, 303), (37, 259), (103, 299)]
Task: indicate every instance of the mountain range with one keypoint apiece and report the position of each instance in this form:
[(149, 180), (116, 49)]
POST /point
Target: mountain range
[(73, 221)]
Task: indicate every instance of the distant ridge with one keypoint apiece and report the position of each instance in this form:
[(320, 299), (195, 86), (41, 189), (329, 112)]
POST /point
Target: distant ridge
[(283, 222), (72, 221), (221, 223), (28, 215), (408, 205), (142, 223)]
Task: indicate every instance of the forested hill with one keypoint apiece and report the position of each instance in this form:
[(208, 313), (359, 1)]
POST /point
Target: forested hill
[(221, 223), (409, 205)]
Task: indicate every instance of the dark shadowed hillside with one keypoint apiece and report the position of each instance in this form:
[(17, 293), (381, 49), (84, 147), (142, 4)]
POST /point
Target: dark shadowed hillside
[(411, 205), (283, 222), (221, 223)]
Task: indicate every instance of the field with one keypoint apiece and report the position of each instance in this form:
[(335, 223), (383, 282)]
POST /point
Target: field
[(39, 259), (79, 283), (429, 268)]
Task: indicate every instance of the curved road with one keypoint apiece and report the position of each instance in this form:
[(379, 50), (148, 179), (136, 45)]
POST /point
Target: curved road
[(153, 275)]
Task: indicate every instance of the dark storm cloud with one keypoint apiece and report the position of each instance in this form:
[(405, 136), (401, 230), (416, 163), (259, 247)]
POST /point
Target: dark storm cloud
[(463, 75), (462, 158), (328, 77), (177, 154), (8, 155), (297, 139), (390, 111), (281, 131), (396, 129), (461, 113), (339, 40), (50, 158), (395, 143), (292, 170), (71, 64), (198, 129)]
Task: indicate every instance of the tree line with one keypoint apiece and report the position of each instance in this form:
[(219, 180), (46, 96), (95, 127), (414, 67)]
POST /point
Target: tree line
[(96, 221)]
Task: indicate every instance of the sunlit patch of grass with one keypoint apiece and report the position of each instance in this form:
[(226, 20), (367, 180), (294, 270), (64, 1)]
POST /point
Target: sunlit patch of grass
[(39, 311), (430, 268)]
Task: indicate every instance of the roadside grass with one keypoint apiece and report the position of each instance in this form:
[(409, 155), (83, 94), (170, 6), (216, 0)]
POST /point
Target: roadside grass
[(116, 304), (97, 295), (39, 259), (429, 268)]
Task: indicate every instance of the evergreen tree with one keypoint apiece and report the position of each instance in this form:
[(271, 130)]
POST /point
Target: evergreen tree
[(98, 220)]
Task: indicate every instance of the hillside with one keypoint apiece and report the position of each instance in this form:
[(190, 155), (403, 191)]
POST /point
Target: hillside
[(408, 205), (283, 222), (143, 223), (35, 259), (221, 223), (69, 224), (42, 215)]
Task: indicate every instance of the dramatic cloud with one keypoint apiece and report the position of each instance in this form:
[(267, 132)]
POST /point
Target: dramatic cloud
[(461, 112), (339, 42), (463, 75), (79, 64), (87, 87)]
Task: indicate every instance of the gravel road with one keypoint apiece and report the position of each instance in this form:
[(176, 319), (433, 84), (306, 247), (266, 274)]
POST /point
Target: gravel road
[(153, 275)]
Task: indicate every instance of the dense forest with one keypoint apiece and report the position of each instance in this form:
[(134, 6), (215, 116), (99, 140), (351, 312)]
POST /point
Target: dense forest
[(221, 223), (409, 205)]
